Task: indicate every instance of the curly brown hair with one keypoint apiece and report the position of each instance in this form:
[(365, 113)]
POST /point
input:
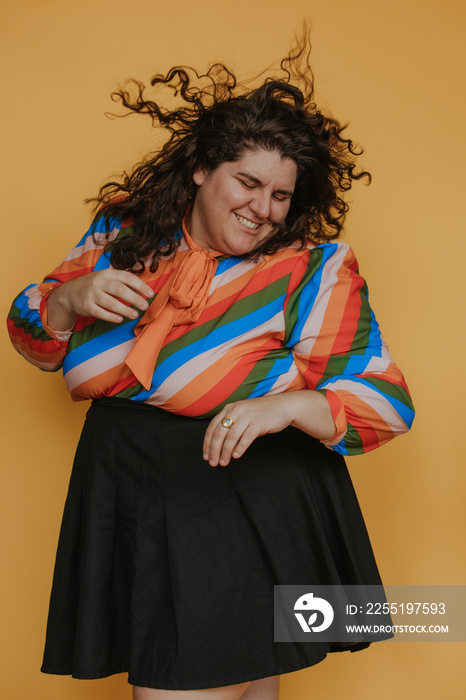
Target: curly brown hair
[(217, 121)]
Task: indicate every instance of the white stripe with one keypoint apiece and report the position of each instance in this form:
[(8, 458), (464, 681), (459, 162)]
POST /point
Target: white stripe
[(34, 297), (194, 367), (97, 364), (284, 380), (233, 273)]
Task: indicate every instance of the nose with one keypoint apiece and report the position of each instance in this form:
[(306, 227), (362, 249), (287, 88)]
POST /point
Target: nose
[(260, 204)]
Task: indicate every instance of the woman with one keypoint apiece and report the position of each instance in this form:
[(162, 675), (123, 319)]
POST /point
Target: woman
[(215, 323)]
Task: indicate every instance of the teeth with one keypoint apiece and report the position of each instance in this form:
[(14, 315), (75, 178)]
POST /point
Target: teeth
[(246, 222)]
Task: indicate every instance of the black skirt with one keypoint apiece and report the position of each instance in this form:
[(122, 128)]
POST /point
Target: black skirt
[(166, 566)]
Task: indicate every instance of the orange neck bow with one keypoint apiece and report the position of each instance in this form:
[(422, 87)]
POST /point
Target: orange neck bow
[(181, 300)]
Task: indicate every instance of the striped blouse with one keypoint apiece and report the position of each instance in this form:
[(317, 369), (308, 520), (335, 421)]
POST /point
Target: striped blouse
[(297, 319)]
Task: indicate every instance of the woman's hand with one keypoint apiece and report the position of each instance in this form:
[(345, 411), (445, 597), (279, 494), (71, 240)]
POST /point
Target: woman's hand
[(304, 409), (106, 294)]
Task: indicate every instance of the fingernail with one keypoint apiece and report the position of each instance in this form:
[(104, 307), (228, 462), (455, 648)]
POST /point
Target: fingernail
[(205, 456), (235, 455), (213, 463), (222, 462)]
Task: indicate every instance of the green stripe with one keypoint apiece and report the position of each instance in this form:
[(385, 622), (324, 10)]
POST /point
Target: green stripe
[(240, 309), (336, 366), (393, 390), (353, 441), (364, 327), (94, 330), (129, 393), (255, 376), (36, 332)]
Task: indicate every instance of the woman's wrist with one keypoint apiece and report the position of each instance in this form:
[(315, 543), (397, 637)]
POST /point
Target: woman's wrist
[(60, 317), (312, 413)]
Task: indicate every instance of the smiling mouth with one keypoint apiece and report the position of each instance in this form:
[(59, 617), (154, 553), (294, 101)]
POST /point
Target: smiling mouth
[(246, 222)]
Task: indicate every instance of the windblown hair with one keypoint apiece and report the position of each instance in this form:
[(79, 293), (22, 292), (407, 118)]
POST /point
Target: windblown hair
[(217, 121)]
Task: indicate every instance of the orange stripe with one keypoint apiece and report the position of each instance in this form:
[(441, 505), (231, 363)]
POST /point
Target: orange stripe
[(219, 303), (101, 385), (223, 377), (70, 268), (364, 418), (296, 383), (253, 280), (335, 319)]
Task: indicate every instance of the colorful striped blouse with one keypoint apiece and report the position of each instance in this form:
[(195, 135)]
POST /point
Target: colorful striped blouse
[(297, 319)]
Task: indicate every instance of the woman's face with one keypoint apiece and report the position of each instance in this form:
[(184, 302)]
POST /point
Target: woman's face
[(238, 204)]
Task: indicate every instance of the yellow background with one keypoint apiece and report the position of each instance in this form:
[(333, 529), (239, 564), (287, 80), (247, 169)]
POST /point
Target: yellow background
[(395, 71)]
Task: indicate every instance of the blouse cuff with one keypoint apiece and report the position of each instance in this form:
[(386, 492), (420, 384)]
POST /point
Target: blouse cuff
[(339, 418), (46, 290)]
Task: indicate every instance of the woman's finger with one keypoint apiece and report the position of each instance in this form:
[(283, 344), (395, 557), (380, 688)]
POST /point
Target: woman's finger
[(237, 445), (215, 438), (119, 305), (244, 442), (120, 290)]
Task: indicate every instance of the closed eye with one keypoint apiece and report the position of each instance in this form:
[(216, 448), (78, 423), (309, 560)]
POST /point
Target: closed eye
[(247, 185), (278, 197)]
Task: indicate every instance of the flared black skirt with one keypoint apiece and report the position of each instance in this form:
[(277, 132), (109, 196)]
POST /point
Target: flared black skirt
[(166, 566)]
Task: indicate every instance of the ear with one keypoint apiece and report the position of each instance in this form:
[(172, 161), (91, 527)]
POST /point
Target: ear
[(199, 175)]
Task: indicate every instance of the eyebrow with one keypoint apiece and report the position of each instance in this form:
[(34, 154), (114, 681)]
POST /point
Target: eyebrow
[(260, 183)]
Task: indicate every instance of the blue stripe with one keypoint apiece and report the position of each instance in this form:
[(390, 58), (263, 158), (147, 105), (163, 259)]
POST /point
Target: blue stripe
[(103, 263), (227, 264), (340, 448), (310, 293), (358, 362), (28, 316), (215, 338), (280, 367), (95, 346), (375, 337)]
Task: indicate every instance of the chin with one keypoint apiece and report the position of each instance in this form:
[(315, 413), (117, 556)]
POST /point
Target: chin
[(248, 247)]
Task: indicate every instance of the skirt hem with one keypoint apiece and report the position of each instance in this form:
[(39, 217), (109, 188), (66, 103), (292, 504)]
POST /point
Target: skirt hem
[(216, 682)]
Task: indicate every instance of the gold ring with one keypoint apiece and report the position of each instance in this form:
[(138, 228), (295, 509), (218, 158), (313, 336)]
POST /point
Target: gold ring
[(227, 422)]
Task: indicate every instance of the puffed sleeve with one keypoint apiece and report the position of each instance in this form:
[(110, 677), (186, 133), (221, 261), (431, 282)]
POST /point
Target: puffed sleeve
[(29, 331), (339, 350)]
